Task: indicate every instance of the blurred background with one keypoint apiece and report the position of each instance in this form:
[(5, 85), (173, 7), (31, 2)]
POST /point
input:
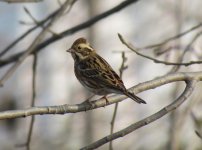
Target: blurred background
[(142, 23)]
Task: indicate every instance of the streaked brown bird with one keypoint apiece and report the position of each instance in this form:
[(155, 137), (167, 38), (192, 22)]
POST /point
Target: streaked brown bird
[(95, 73)]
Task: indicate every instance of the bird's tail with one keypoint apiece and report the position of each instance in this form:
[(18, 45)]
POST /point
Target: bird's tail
[(135, 98)]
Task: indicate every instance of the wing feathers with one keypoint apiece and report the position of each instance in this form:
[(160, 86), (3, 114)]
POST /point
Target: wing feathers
[(97, 69)]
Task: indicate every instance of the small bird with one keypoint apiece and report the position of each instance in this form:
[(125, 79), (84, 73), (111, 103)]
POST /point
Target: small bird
[(95, 73)]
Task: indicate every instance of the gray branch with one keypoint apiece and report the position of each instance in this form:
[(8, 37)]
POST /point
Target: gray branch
[(64, 109), (186, 93)]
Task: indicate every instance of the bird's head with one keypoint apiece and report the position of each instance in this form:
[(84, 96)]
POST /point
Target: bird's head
[(81, 49)]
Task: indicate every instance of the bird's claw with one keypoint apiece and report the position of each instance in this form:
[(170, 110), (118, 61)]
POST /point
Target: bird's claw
[(89, 103)]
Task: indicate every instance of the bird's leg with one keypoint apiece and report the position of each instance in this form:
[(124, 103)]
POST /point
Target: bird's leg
[(88, 101), (107, 102)]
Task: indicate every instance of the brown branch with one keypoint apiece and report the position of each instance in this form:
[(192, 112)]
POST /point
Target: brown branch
[(37, 40), (122, 68), (131, 47), (64, 109), (184, 96), (32, 102), (70, 31)]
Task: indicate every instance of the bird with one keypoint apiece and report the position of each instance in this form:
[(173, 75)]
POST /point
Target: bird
[(95, 73)]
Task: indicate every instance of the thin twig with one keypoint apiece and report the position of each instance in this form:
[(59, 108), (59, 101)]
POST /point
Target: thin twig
[(173, 131), (3, 52), (27, 143), (187, 48), (59, 3), (172, 38), (37, 22), (37, 40), (71, 3), (70, 31), (187, 109), (199, 134), (32, 102), (122, 68), (197, 124), (40, 23), (64, 109), (184, 96), (131, 47)]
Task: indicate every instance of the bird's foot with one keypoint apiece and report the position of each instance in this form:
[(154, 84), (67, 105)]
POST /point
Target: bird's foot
[(88, 102), (107, 102)]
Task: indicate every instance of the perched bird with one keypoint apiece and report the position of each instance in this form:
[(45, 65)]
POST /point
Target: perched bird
[(95, 73)]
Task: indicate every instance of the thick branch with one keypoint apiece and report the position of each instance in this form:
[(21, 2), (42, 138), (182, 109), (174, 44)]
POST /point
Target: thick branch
[(63, 109), (187, 92)]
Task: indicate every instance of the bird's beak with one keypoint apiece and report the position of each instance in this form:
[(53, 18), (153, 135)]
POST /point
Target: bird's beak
[(69, 50)]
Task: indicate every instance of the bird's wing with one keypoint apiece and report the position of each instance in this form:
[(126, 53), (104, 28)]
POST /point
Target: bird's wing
[(96, 69)]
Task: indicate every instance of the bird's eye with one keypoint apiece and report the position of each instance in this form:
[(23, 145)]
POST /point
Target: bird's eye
[(79, 47)]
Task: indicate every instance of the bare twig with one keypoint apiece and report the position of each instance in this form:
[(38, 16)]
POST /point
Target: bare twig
[(59, 3), (71, 3), (187, 48), (70, 31), (186, 111), (198, 125), (122, 68), (199, 134), (37, 40), (33, 101), (172, 38), (153, 59), (64, 109), (173, 141), (37, 22), (40, 23), (4, 51), (27, 143), (184, 96)]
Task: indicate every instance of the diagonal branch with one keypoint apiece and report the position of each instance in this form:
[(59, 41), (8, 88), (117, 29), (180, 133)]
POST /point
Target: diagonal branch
[(70, 31), (36, 21), (64, 109), (184, 96), (173, 37), (37, 40), (131, 47), (187, 48), (41, 23)]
